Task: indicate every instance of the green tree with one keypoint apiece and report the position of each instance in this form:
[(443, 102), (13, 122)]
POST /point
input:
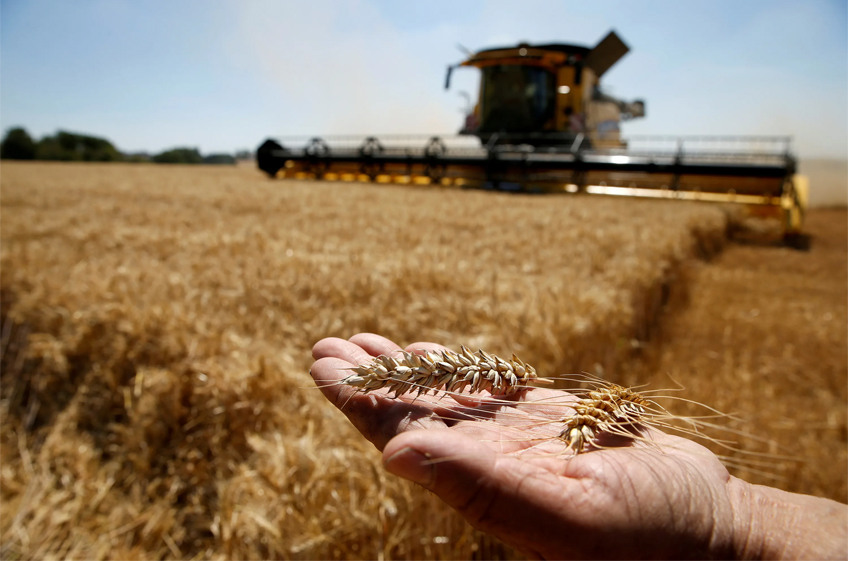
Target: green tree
[(67, 146), (138, 157), (219, 159), (179, 156), (17, 145), (49, 148)]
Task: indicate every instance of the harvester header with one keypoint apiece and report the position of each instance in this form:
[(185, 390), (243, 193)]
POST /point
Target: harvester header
[(543, 123)]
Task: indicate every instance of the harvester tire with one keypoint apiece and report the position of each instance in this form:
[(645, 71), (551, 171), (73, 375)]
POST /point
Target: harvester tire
[(796, 240)]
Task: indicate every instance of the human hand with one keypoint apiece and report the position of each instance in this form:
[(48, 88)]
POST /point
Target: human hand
[(670, 499)]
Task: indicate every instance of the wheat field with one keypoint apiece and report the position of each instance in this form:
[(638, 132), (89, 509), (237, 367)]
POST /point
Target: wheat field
[(157, 324)]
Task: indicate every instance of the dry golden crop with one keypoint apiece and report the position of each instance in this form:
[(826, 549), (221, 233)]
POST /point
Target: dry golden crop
[(157, 324)]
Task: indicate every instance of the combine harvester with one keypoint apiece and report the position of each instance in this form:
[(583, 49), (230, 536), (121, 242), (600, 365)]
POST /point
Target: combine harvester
[(543, 124)]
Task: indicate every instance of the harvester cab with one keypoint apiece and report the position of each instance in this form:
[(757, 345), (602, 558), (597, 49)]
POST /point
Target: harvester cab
[(542, 123), (527, 91)]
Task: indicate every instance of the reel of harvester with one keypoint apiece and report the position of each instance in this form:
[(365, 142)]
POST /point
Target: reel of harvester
[(757, 172)]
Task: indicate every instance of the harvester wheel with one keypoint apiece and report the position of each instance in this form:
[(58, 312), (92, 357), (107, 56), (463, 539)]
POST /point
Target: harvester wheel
[(797, 240)]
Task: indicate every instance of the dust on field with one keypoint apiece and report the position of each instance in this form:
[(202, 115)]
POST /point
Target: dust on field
[(157, 324), (828, 181)]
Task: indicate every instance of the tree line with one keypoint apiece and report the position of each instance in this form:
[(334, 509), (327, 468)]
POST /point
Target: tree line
[(74, 147)]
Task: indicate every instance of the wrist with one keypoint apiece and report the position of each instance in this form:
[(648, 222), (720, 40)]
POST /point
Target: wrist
[(772, 524)]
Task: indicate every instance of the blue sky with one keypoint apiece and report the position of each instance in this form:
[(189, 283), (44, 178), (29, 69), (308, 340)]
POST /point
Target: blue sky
[(225, 75)]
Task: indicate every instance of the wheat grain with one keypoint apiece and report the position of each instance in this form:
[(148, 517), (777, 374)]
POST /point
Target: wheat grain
[(446, 370), (622, 411), (606, 409), (609, 408)]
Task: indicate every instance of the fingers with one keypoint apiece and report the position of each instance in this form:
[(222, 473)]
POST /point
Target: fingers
[(375, 345), (376, 416), (422, 346), (339, 348), (333, 359), (443, 461), (512, 499), (328, 372)]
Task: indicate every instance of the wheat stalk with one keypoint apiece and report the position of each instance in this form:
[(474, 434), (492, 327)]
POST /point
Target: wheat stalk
[(446, 370), (604, 408)]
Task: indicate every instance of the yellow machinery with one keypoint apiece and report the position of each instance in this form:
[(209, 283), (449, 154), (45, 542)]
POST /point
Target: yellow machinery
[(543, 123), (555, 88)]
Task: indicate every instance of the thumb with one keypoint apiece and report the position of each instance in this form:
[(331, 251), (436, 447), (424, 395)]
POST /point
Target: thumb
[(494, 492), (453, 466)]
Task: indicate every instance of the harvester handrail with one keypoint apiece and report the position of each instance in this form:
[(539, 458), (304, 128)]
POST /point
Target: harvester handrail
[(724, 145)]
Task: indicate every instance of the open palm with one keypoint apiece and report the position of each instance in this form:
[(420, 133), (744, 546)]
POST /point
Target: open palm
[(510, 478)]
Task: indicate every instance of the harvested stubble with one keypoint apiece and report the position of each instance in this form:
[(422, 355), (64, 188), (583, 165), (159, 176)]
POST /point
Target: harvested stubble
[(157, 323)]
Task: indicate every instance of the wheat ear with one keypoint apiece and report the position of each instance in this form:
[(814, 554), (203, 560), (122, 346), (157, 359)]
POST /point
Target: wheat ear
[(606, 409), (446, 370)]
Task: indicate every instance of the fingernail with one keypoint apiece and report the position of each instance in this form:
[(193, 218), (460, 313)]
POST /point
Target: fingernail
[(412, 465)]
